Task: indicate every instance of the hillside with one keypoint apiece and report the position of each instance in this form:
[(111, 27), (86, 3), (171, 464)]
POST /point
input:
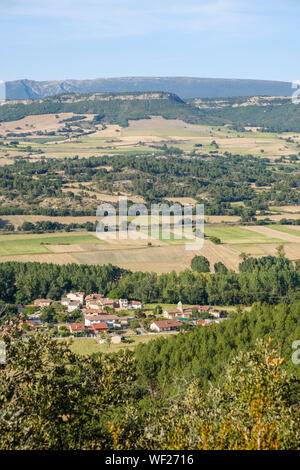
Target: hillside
[(109, 108), (185, 87), (277, 114)]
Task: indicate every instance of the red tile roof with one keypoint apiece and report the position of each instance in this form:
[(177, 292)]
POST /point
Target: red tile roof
[(77, 327), (167, 323), (101, 317), (94, 297), (94, 311), (99, 327)]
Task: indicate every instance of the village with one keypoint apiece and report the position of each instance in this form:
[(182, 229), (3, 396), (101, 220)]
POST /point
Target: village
[(112, 320)]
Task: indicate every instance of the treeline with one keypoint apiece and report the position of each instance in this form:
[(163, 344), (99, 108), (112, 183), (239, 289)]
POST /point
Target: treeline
[(21, 283), (43, 226), (268, 279)]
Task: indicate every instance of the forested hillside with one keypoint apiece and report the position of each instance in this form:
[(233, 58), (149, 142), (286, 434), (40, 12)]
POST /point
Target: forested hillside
[(276, 116), (213, 179), (117, 110)]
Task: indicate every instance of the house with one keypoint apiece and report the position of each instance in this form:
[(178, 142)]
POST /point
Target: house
[(203, 308), (134, 304), (92, 319), (112, 303), (65, 301), (43, 302), (94, 311), (93, 304), (123, 304), (73, 305), (93, 300), (215, 313), (97, 328), (76, 327), (77, 296), (125, 320), (186, 313), (91, 297), (203, 322), (171, 314), (165, 325)]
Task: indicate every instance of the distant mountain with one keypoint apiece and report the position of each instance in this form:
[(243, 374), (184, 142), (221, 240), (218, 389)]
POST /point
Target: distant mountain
[(185, 87)]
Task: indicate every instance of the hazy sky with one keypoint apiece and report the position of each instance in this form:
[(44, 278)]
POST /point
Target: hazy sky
[(57, 39)]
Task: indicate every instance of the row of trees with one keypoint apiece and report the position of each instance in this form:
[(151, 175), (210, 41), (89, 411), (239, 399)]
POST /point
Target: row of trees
[(268, 279)]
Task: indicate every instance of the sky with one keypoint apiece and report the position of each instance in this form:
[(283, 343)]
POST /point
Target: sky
[(59, 39)]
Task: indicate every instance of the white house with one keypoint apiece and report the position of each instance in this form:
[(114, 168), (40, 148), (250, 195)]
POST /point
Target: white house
[(134, 304), (123, 304), (78, 296), (165, 325), (92, 319)]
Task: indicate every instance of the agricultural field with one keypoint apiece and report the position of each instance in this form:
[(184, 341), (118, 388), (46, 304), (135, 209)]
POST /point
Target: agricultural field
[(236, 235), (140, 137), (52, 137), (161, 256), (87, 346), (48, 243)]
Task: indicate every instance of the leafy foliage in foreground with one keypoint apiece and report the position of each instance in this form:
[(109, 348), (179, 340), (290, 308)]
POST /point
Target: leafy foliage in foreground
[(53, 399), (251, 409)]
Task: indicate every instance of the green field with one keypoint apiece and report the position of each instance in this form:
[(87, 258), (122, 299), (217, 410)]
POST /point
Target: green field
[(286, 229), (237, 234), (87, 346), (36, 244)]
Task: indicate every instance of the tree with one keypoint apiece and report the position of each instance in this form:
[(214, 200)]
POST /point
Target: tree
[(52, 399), (280, 251), (251, 408), (157, 310), (220, 268), (200, 264), (244, 256)]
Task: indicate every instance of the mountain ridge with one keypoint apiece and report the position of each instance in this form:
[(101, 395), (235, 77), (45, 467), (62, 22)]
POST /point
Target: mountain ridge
[(184, 87)]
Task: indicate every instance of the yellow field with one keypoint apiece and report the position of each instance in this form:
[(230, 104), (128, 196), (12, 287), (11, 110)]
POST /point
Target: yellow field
[(138, 137)]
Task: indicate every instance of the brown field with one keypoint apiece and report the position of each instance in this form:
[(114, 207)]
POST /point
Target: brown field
[(43, 122), (285, 237), (61, 258), (289, 209), (159, 259)]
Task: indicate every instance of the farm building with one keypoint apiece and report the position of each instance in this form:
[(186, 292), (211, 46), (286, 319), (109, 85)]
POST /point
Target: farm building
[(165, 325)]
